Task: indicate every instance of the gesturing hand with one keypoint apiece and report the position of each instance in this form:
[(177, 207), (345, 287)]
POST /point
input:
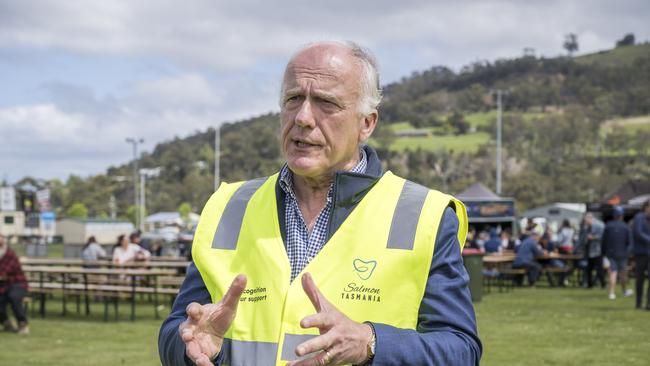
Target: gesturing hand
[(206, 325), (342, 340)]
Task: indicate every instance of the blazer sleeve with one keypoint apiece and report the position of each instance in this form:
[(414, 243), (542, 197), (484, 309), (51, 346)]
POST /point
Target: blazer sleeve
[(170, 345), (446, 333)]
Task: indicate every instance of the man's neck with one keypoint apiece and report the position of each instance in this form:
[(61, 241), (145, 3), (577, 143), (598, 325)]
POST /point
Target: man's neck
[(311, 192)]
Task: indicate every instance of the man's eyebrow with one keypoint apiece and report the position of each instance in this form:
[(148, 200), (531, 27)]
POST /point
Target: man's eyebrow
[(316, 93)]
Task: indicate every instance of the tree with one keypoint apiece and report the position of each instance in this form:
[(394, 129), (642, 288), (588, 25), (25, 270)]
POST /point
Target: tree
[(458, 123), (571, 43), (184, 210), (627, 40), (78, 210), (132, 212)]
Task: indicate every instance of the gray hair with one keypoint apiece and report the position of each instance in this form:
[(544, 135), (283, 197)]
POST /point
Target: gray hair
[(370, 93)]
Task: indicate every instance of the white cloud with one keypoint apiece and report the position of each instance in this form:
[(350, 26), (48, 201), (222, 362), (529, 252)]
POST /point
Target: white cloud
[(225, 34), (225, 59)]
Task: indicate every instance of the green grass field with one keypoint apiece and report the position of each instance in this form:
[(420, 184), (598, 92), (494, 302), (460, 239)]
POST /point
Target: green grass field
[(542, 326), (467, 142), (616, 56)]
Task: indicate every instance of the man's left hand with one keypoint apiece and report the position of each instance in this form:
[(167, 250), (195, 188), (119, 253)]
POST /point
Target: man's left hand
[(342, 340)]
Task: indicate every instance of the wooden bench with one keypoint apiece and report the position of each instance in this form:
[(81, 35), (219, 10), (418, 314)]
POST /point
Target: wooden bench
[(110, 293), (109, 284)]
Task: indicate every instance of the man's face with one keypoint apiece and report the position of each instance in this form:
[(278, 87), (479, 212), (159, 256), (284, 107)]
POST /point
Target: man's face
[(321, 126), (589, 218)]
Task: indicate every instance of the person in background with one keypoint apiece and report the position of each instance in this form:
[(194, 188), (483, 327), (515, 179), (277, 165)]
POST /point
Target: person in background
[(92, 251), (125, 252), (641, 239), (617, 244), (506, 240), (550, 247), (591, 236), (493, 245), (136, 238), (470, 241), (526, 253), (13, 289), (482, 238), (157, 247), (565, 237)]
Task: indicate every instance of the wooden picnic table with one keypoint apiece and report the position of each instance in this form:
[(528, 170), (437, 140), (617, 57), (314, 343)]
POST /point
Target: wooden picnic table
[(101, 263), (167, 258), (86, 287)]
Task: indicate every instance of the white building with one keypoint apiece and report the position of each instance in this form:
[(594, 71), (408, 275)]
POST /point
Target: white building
[(106, 231), (161, 220), (12, 223)]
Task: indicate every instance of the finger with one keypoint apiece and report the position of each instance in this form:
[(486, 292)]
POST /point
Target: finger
[(194, 311), (231, 298), (187, 334), (311, 290), (320, 343), (320, 320), (193, 351), (203, 360), (318, 359)]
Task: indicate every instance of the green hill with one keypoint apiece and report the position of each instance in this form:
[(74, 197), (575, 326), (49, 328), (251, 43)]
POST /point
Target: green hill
[(625, 55), (563, 120)]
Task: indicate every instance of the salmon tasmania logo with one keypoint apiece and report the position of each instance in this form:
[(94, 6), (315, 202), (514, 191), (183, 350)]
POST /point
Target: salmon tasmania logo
[(360, 292), (364, 269)]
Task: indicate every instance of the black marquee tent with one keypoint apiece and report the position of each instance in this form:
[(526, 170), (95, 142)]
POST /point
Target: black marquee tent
[(486, 208)]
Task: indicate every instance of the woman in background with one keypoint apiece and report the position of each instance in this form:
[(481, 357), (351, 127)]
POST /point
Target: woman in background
[(125, 252), (92, 251)]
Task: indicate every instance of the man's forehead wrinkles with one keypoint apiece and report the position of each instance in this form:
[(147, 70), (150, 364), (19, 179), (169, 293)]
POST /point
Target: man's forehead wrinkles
[(302, 72)]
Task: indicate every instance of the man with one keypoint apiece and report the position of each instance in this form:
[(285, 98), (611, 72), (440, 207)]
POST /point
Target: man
[(641, 239), (13, 288), (494, 244), (617, 243), (333, 261), (527, 251), (591, 235)]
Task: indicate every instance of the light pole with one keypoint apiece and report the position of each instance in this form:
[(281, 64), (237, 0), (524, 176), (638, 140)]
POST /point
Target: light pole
[(499, 94), (135, 142), (217, 148), (144, 174)]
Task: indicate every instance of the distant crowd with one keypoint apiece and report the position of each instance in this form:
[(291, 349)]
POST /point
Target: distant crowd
[(127, 249), (599, 247)]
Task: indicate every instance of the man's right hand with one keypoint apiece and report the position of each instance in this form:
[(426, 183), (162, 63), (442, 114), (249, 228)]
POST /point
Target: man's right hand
[(204, 329)]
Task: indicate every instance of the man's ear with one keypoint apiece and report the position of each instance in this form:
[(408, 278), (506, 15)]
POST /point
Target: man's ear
[(368, 124)]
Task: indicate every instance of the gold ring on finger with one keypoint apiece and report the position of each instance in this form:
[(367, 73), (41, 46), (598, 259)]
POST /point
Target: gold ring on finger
[(327, 359)]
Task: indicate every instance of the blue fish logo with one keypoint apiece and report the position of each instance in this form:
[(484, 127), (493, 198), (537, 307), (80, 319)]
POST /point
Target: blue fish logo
[(363, 268)]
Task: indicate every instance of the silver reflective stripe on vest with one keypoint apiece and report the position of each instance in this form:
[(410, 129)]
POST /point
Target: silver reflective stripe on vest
[(244, 353), (406, 216), (229, 226), (291, 341)]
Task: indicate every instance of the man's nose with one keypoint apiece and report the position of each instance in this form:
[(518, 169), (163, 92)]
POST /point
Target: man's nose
[(305, 115)]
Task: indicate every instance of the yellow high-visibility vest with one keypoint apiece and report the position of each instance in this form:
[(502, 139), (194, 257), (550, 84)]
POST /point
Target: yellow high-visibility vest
[(374, 267)]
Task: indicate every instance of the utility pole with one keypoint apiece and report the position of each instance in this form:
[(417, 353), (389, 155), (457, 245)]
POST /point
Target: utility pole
[(499, 93), (143, 205), (144, 174), (217, 153), (112, 206), (135, 141)]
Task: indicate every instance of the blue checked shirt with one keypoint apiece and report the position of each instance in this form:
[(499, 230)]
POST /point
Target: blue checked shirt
[(302, 246)]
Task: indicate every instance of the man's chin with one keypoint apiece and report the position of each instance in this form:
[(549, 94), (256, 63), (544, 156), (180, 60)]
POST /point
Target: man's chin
[(305, 167)]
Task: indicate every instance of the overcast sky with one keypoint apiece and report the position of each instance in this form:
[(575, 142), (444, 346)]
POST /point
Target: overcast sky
[(77, 78)]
